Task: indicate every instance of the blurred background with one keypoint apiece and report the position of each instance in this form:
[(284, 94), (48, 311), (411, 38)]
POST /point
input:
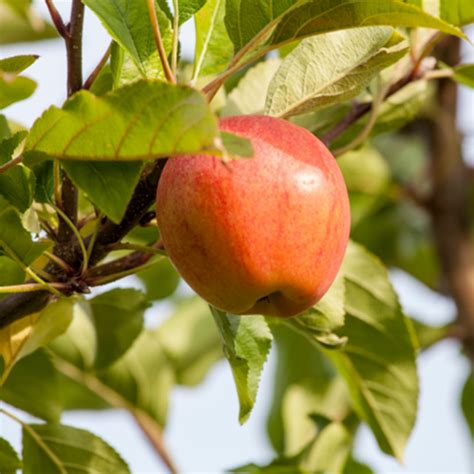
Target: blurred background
[(202, 433)]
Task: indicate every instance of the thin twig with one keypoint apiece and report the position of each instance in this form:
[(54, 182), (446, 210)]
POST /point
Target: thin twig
[(46, 285), (157, 249), (11, 164), (61, 263), (148, 425), (57, 20), (38, 440), (159, 42), (75, 231), (97, 70), (27, 287)]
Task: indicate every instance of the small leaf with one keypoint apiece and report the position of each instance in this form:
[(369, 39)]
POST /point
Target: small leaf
[(109, 186), (15, 89), (17, 64), (332, 68), (17, 183), (128, 23), (213, 47), (235, 146), (160, 280), (188, 8), (467, 402), (10, 273), (9, 460), (118, 319), (191, 341), (141, 121), (62, 449), (44, 181), (14, 239), (24, 336), (247, 343), (464, 74), (33, 387), (356, 467)]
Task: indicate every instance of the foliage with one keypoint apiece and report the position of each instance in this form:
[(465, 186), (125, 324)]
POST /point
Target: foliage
[(352, 72)]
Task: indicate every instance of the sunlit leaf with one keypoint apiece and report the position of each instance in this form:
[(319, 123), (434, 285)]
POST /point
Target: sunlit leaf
[(61, 449), (118, 319), (247, 342), (141, 121), (9, 459), (24, 336), (191, 341), (331, 68), (378, 361), (128, 23), (213, 47)]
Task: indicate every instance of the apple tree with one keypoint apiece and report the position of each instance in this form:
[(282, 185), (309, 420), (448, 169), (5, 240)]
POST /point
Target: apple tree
[(374, 81)]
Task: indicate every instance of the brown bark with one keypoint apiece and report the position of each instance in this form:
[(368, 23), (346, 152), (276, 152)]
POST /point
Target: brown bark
[(449, 203)]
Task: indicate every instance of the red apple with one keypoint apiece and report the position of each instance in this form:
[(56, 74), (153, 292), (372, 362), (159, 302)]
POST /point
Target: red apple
[(264, 235)]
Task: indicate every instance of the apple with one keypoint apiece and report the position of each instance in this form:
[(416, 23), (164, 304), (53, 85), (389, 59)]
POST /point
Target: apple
[(264, 235)]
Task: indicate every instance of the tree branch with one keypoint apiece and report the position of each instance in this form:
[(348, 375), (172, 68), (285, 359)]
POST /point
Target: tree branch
[(15, 307), (449, 203)]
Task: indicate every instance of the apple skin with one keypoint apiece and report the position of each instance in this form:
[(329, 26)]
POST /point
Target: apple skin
[(264, 235)]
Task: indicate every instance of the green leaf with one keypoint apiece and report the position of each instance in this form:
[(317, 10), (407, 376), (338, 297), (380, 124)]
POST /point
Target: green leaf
[(248, 97), (235, 146), (12, 87), (143, 377), (10, 272), (191, 341), (17, 64), (213, 47), (160, 280), (109, 186), (128, 22), (457, 12), (355, 467), (44, 181), (14, 239), (368, 178), (332, 68), (464, 74), (247, 343), (141, 121), (467, 402), (33, 387), (15, 28), (309, 18), (378, 362), (9, 459), (329, 451), (26, 335), (62, 449), (320, 321), (16, 184), (15, 89), (428, 335), (305, 383), (118, 319), (188, 8), (245, 19)]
